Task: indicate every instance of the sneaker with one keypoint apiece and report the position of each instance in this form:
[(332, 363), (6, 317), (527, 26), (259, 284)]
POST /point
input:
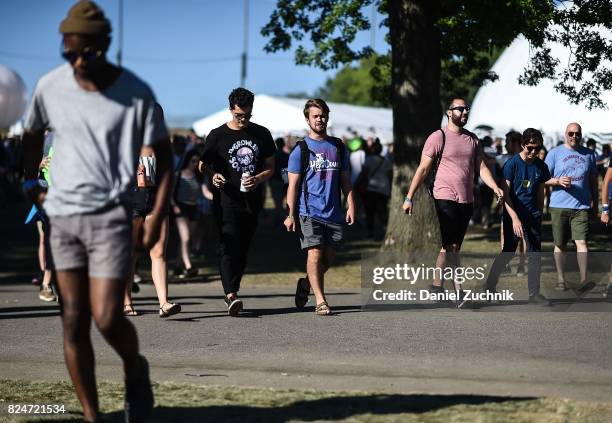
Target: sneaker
[(233, 306), (539, 299), (435, 289), (46, 294), (462, 299), (490, 298), (586, 286), (139, 399)]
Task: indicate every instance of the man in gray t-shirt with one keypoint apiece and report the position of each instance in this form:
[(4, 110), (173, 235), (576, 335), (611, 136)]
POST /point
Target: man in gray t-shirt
[(101, 116)]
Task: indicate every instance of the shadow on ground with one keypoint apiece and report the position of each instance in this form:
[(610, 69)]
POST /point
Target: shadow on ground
[(334, 408)]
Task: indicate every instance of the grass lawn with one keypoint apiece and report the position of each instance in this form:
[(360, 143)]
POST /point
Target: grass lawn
[(186, 402)]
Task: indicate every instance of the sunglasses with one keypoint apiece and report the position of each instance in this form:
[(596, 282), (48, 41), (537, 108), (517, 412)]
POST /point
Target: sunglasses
[(531, 149), (242, 116), (461, 109), (88, 54), (574, 134)]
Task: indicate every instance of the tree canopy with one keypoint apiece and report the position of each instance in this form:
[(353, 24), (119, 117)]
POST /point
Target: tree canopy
[(472, 33)]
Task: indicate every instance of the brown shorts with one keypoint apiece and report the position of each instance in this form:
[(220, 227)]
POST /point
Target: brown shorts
[(100, 242)]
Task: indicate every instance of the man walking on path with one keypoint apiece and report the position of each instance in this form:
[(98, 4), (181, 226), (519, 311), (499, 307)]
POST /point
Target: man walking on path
[(239, 156), (574, 182), (101, 115), (524, 178), (318, 171), (456, 157)]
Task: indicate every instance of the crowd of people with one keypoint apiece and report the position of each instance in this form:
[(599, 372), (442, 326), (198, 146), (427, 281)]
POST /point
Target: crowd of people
[(107, 177)]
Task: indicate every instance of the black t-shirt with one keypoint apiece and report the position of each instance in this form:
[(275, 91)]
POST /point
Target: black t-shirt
[(233, 152)]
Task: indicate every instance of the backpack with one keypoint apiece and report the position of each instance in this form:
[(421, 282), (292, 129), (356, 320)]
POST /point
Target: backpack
[(431, 177), (305, 162)]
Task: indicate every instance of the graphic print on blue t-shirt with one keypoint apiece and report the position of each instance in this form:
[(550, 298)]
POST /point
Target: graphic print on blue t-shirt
[(579, 164), (323, 179), (243, 156), (525, 179)]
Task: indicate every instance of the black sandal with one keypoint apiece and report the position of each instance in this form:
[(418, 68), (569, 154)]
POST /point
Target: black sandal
[(302, 290), (170, 311)]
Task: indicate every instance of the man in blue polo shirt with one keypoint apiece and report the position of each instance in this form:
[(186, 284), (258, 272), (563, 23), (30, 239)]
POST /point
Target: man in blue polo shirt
[(318, 171)]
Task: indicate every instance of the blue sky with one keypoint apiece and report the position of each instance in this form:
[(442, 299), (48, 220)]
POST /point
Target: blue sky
[(187, 50)]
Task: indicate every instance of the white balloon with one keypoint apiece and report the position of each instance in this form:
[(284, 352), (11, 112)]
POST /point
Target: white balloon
[(13, 97)]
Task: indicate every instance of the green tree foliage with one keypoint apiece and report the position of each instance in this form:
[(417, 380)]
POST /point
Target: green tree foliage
[(472, 34), (366, 84)]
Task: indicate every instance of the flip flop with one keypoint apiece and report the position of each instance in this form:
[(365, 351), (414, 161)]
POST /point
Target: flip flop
[(128, 310), (302, 290), (170, 311)]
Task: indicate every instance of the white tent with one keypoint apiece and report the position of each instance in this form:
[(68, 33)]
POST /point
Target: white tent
[(284, 116), (505, 104)]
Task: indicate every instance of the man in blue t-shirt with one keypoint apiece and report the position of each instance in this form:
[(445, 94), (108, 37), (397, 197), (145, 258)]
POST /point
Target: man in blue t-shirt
[(574, 192), (524, 178), (318, 170)]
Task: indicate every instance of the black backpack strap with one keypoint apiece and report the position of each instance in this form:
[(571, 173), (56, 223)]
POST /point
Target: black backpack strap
[(341, 150), (304, 164)]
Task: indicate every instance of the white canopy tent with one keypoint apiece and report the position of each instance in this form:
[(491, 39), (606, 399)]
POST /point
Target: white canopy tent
[(505, 104), (284, 116)]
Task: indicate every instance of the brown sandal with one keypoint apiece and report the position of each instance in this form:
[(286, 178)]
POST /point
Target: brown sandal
[(560, 286), (128, 310), (322, 309)]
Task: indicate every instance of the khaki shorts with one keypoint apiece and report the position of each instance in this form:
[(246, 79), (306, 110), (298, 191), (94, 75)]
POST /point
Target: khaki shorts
[(566, 220), (100, 242)]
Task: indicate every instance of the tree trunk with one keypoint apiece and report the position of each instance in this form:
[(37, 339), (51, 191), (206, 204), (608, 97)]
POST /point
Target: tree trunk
[(415, 80)]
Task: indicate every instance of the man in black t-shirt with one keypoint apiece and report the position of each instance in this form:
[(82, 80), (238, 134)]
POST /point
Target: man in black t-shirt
[(239, 156)]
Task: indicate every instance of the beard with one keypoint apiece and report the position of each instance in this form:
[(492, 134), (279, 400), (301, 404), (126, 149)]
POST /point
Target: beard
[(318, 130), (458, 120)]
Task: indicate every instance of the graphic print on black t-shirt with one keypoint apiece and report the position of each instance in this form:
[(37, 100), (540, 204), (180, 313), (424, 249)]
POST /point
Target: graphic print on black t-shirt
[(243, 156), (233, 152)]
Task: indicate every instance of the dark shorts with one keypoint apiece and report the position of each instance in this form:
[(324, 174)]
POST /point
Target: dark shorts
[(314, 233), (189, 211), (143, 201), (454, 219), (566, 222), (100, 242)]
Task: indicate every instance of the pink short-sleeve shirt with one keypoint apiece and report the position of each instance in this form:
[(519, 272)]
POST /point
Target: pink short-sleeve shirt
[(455, 176)]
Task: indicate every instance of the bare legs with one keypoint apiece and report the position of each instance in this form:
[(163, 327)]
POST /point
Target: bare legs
[(581, 250), (185, 229), (318, 262), (453, 253), (83, 298), (159, 266)]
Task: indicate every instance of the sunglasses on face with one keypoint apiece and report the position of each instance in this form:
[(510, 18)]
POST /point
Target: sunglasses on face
[(242, 116), (88, 54), (460, 109), (532, 148), (574, 134)]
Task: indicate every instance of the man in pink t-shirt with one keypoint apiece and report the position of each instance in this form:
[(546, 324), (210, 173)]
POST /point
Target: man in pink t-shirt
[(460, 160)]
